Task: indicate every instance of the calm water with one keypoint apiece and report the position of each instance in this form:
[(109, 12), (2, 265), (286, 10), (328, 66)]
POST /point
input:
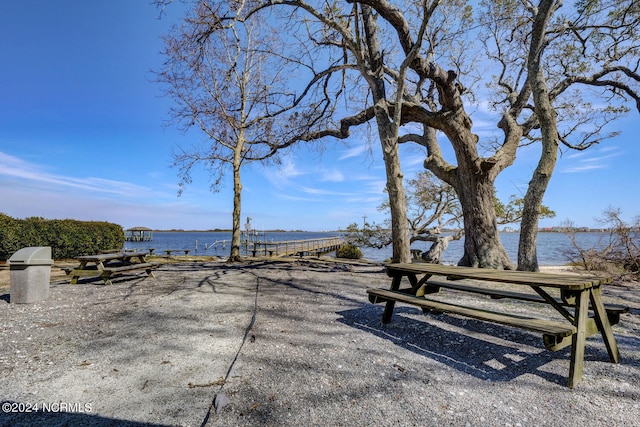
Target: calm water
[(550, 245)]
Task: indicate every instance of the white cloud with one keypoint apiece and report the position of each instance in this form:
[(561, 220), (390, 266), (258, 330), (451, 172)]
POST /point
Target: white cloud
[(376, 186), (32, 174), (416, 160), (323, 192), (583, 168), (47, 204), (353, 152), (281, 178), (30, 189), (283, 196), (608, 148), (591, 159), (288, 169), (332, 176)]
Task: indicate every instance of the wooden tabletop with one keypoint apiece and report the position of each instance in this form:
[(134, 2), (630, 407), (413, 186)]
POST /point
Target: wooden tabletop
[(562, 281), (110, 256)]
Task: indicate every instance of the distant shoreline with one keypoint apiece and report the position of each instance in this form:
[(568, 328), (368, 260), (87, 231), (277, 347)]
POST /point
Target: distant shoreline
[(219, 230)]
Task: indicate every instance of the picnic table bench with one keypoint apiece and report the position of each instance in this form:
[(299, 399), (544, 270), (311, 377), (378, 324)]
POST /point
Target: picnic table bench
[(113, 251), (168, 252), (578, 295), (108, 265)]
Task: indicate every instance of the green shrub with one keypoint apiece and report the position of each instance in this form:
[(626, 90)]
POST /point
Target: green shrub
[(349, 251), (68, 238), (9, 236)]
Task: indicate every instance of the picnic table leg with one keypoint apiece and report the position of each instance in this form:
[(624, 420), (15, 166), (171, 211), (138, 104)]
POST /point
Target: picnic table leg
[(423, 287), (604, 326), (74, 278), (578, 339), (390, 304), (413, 280), (106, 278)]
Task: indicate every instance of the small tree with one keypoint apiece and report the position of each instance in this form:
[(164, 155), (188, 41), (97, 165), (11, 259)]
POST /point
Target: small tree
[(229, 82), (432, 206), (513, 212), (349, 251), (370, 235), (619, 253)]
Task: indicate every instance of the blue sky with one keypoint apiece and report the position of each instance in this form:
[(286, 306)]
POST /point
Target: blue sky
[(83, 136)]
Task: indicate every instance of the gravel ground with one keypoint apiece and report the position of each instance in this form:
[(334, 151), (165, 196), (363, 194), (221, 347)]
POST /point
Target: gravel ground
[(294, 343)]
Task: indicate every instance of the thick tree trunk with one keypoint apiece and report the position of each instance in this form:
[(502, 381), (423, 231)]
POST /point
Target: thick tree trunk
[(482, 245), (397, 202), (388, 133), (435, 252), (473, 178), (527, 255), (527, 245)]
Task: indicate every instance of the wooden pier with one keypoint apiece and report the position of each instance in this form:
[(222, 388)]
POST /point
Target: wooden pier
[(298, 247)]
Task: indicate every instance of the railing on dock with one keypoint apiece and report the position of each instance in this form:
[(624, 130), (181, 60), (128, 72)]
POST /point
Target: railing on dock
[(297, 247)]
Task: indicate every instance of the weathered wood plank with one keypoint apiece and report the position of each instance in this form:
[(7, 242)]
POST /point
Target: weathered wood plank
[(432, 286), (83, 272), (604, 325), (130, 267), (298, 247), (549, 327), (109, 272), (168, 252), (580, 293), (555, 343), (564, 281), (578, 340)]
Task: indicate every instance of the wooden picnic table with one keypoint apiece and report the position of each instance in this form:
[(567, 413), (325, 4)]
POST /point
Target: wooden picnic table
[(168, 252), (574, 296), (107, 265)]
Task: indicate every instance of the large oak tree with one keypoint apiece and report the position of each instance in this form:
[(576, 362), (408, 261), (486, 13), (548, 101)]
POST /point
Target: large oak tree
[(417, 69)]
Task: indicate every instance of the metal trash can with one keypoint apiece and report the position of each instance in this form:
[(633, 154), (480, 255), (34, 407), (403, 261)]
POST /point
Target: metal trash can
[(30, 274)]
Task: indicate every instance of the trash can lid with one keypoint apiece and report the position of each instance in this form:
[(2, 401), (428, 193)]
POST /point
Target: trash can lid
[(36, 255)]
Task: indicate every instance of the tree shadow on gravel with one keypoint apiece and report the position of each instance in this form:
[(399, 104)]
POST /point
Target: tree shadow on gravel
[(60, 418), (483, 359), (120, 279)]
